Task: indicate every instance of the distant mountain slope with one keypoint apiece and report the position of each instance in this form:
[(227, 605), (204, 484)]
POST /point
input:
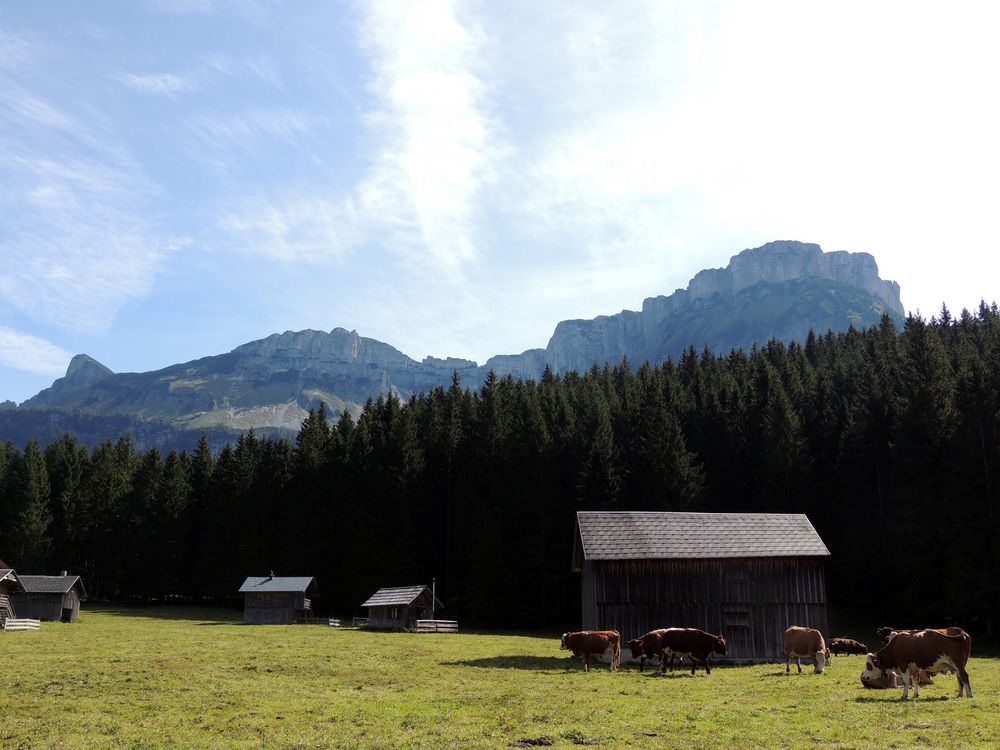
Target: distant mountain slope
[(780, 290)]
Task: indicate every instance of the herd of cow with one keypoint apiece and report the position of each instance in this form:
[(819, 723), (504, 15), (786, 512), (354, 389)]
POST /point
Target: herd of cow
[(909, 657)]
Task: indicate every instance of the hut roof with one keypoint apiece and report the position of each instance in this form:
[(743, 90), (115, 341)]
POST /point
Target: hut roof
[(52, 584), (295, 585), (393, 596), (8, 574), (636, 535)]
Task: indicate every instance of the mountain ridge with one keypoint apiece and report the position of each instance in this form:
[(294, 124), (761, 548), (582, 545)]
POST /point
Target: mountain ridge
[(780, 290)]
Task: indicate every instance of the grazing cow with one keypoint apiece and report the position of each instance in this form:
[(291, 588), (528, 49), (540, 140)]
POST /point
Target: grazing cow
[(880, 679), (648, 646), (805, 643), (908, 652), (587, 643), (695, 644), (847, 646), (885, 633)]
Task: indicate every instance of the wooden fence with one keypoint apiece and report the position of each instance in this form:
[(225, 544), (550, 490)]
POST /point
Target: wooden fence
[(22, 623), (437, 626)]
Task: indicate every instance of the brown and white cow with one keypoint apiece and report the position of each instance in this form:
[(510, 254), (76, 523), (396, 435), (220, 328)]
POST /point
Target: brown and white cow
[(805, 643), (908, 652), (588, 643), (880, 679), (846, 646), (648, 646), (885, 633), (693, 643)]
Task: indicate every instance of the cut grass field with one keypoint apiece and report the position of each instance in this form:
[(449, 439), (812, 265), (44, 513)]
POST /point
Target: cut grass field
[(198, 679)]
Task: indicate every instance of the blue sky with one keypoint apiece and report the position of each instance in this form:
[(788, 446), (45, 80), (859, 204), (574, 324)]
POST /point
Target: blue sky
[(178, 177)]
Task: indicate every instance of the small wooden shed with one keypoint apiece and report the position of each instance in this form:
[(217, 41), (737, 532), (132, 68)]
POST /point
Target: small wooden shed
[(10, 584), (55, 598), (399, 607), (273, 600), (746, 576)]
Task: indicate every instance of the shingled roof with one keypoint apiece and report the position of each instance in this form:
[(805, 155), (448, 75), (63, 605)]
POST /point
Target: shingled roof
[(638, 535), (397, 596), (51, 584), (288, 584)]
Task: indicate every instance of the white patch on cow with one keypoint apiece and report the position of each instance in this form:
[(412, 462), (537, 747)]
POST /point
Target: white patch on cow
[(944, 663), (820, 662)]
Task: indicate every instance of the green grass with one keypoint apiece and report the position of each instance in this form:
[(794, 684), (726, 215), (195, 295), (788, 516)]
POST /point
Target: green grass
[(150, 678)]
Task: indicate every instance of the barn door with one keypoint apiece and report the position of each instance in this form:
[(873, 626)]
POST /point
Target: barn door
[(736, 629)]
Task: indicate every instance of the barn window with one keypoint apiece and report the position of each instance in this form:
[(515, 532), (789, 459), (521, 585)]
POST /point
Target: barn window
[(395, 613)]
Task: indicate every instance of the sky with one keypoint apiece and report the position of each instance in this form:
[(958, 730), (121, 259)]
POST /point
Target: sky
[(178, 177)]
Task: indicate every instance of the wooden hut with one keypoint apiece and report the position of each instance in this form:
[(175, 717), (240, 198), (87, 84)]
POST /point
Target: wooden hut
[(10, 584), (399, 607), (747, 576), (273, 600), (55, 598)]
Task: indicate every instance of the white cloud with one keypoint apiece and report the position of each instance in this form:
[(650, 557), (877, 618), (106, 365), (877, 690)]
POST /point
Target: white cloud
[(225, 130), (17, 49), (436, 152), (74, 246), (425, 185), (167, 84), (23, 351)]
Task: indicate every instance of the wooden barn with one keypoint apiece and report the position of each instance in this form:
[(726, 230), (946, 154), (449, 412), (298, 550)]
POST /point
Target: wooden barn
[(10, 585), (399, 607), (55, 598), (747, 576), (272, 600)]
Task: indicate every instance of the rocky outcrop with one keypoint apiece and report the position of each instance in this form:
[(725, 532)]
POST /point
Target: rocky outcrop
[(777, 262), (780, 290)]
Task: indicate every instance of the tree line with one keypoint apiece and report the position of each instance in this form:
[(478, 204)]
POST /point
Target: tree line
[(887, 439)]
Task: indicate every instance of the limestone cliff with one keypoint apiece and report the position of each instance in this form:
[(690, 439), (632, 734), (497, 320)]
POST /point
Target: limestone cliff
[(780, 290)]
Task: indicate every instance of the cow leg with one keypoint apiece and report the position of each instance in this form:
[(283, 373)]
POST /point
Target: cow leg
[(642, 660), (798, 663), (963, 681), (906, 684), (788, 663), (613, 665), (708, 667), (586, 663)]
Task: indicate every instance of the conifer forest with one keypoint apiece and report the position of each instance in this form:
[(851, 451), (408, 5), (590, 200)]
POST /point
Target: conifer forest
[(888, 439)]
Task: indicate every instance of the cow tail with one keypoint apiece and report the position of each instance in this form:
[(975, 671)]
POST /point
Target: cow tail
[(618, 650)]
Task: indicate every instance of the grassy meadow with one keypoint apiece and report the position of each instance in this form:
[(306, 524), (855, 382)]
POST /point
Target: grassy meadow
[(152, 678)]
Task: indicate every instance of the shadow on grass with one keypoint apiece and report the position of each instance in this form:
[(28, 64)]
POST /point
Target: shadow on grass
[(888, 700), (536, 663)]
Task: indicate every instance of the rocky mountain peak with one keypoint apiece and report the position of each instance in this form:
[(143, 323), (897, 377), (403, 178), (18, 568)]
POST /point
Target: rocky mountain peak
[(84, 370), (788, 260)]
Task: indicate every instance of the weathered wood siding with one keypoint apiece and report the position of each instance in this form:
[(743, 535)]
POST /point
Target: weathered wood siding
[(751, 602), (272, 607), (49, 606)]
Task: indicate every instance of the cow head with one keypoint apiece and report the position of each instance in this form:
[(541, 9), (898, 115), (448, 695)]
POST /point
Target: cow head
[(636, 647), (875, 677), (820, 661), (719, 646)]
